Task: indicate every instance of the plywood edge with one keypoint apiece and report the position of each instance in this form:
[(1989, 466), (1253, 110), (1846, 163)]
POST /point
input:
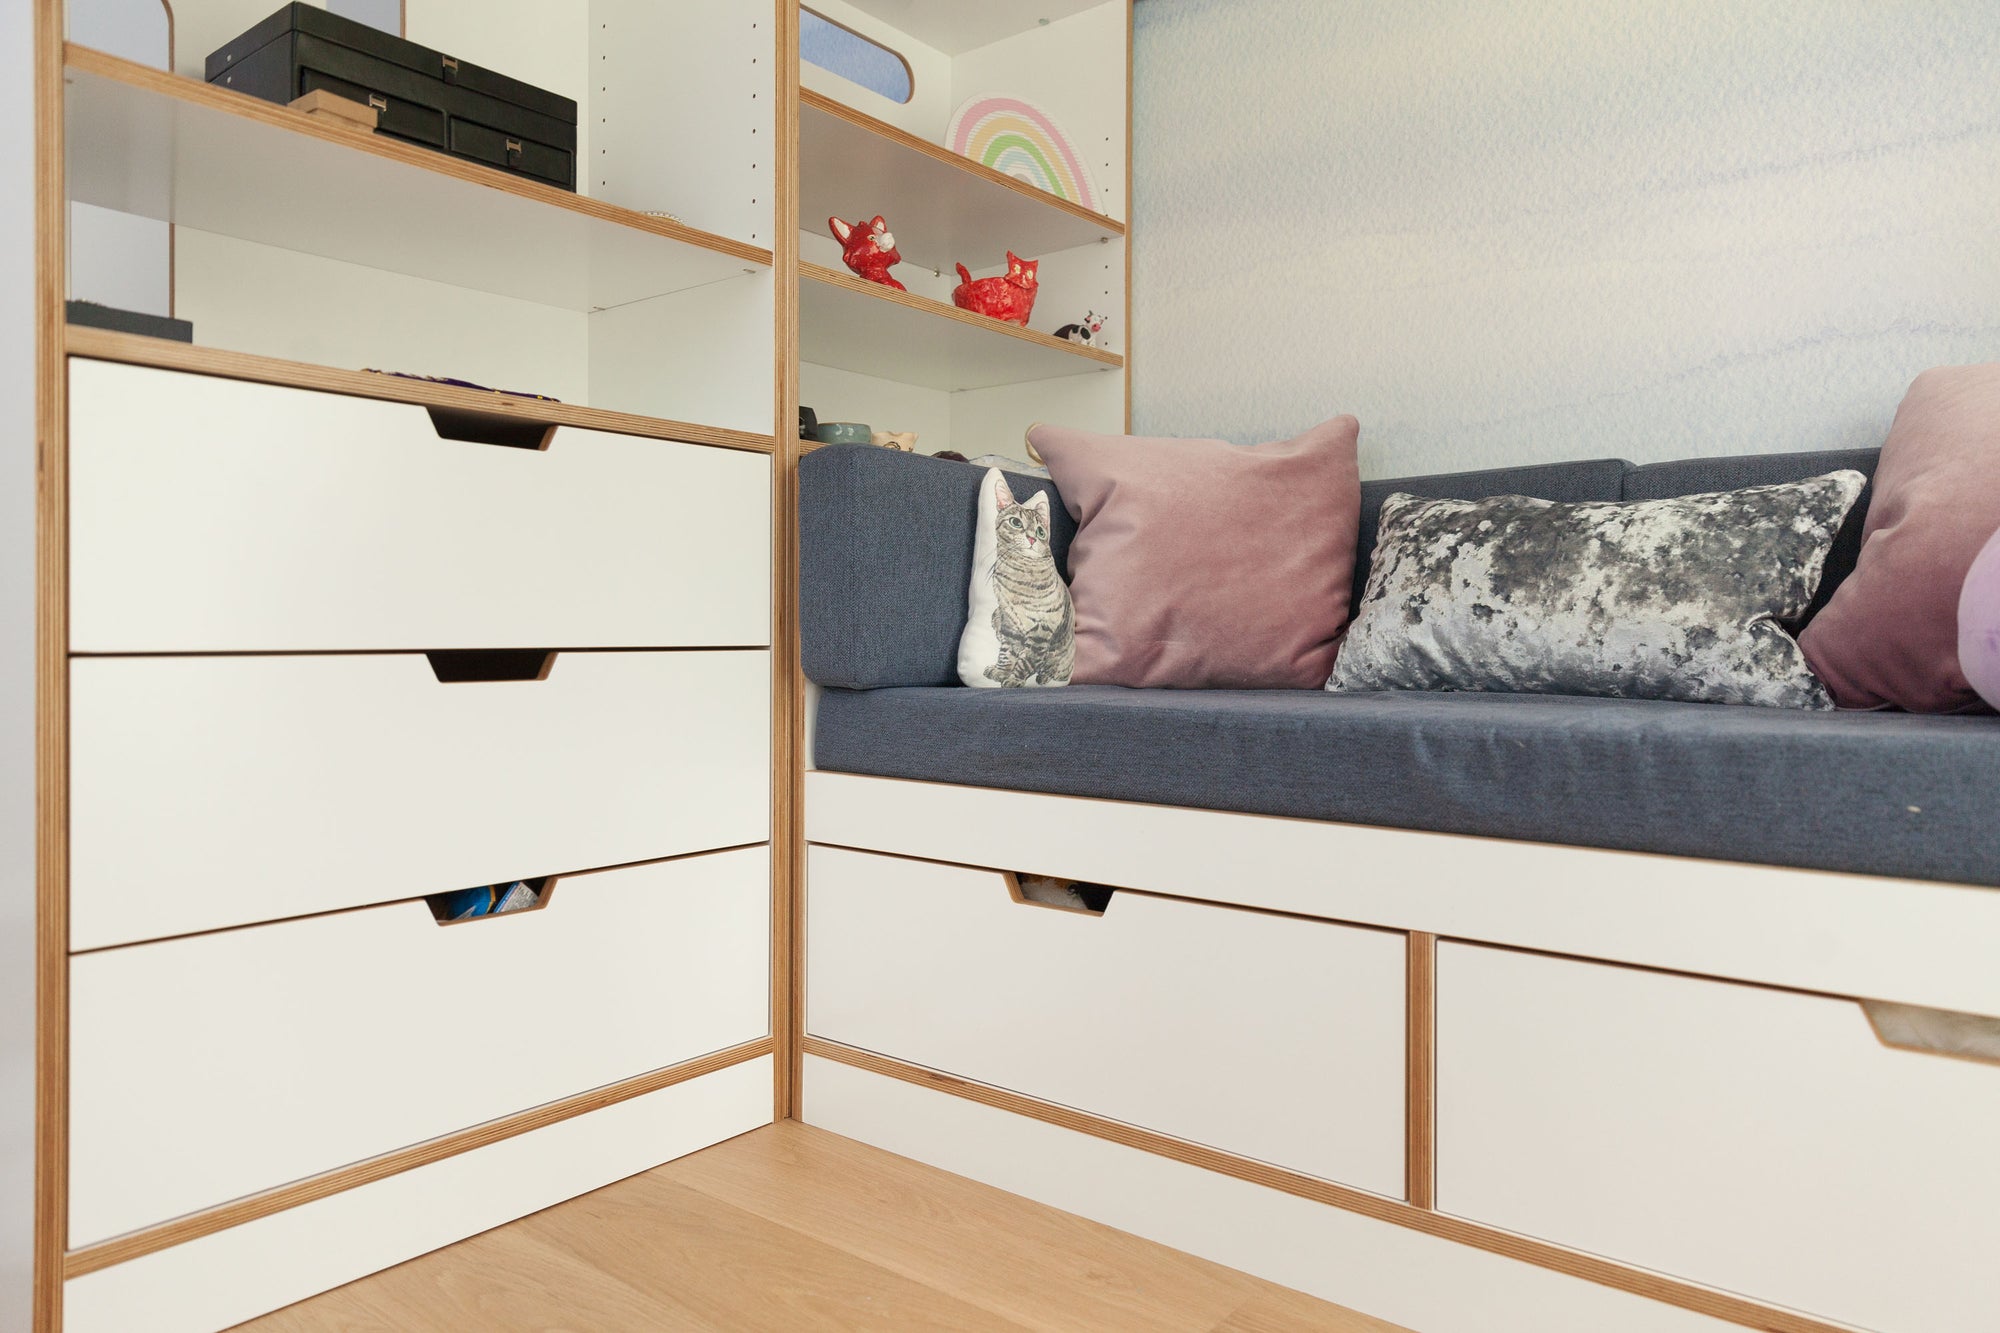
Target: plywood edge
[(1420, 1073), (165, 354), (121, 1249), (820, 102), (193, 92), (787, 677), (1708, 1301), (51, 1206), (924, 305)]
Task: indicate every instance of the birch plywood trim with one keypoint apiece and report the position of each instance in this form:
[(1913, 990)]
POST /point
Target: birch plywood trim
[(787, 678), (51, 1133), (1420, 1076), (222, 1277), (921, 1113), (220, 791), (213, 515), (1617, 1111), (1713, 917), (104, 345), (1290, 1050)]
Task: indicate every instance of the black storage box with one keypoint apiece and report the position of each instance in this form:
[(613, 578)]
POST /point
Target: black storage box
[(421, 95)]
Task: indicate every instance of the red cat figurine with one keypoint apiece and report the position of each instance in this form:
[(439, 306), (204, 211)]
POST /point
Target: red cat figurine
[(869, 249), (1010, 297)]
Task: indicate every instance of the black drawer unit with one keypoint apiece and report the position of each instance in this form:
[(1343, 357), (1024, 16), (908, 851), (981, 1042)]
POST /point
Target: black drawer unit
[(420, 95)]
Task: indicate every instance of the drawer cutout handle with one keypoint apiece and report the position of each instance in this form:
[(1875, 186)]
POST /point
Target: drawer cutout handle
[(463, 666), (1061, 895), (494, 428), (1910, 1027), (467, 907)]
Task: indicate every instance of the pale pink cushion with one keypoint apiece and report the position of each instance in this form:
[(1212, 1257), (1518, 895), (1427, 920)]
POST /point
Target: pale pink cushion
[(1888, 638), (1201, 565)]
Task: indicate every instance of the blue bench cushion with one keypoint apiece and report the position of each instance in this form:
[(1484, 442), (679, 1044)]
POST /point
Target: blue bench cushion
[(1875, 793), (885, 559)]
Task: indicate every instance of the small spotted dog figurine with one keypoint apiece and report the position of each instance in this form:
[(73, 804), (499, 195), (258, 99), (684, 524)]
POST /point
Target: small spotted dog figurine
[(1085, 332)]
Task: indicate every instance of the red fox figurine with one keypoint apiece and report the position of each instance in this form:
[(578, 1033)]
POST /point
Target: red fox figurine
[(869, 249), (1010, 297)]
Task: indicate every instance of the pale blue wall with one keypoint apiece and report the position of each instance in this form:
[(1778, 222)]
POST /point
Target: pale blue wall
[(1543, 229)]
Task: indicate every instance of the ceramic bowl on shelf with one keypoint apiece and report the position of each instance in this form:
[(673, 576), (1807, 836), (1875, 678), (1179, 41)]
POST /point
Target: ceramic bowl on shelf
[(844, 432)]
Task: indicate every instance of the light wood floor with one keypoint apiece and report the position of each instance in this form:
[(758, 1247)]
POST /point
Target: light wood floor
[(791, 1230)]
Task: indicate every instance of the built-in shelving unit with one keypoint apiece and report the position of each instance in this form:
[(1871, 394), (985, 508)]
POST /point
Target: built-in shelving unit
[(946, 207), (911, 360), (852, 324), (162, 146)]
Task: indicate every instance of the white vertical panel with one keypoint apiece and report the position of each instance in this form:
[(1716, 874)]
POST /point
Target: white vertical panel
[(17, 664), (120, 260), (247, 297), (683, 114), (996, 420), (701, 355), (1761, 1141), (140, 30), (1073, 69), (841, 395)]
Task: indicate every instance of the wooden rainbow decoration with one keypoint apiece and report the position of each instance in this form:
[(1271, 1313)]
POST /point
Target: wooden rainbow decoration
[(1018, 139)]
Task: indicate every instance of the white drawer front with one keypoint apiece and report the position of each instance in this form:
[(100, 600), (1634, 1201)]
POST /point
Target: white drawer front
[(221, 791), (1756, 1140), (214, 515), (208, 1068), (1274, 1037), (220, 1280)]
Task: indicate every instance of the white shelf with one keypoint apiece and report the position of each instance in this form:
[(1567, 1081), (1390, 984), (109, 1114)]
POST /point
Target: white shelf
[(161, 146), (851, 324), (943, 208)]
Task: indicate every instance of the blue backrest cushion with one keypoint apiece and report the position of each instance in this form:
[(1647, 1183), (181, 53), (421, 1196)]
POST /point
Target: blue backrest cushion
[(885, 557), (1592, 479), (1698, 476)]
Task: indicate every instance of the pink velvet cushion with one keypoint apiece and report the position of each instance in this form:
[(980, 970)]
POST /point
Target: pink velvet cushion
[(1888, 638), (1979, 624), (1201, 565)]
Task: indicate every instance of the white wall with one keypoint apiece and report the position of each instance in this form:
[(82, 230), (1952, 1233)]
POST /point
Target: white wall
[(1545, 229), (17, 666)]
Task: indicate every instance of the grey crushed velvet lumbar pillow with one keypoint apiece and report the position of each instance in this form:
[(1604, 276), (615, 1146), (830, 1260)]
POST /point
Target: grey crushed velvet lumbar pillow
[(1659, 599)]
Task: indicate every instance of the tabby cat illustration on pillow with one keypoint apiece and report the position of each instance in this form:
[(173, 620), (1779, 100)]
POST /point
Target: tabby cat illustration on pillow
[(1028, 636)]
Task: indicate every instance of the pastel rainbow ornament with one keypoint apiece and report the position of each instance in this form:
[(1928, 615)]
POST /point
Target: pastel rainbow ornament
[(1017, 139)]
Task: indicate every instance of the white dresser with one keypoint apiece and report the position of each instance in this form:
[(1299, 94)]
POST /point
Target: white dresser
[(332, 656)]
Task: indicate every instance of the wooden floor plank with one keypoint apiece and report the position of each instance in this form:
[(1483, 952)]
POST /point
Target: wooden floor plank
[(741, 1271), (504, 1281), (794, 1230), (1043, 1268)]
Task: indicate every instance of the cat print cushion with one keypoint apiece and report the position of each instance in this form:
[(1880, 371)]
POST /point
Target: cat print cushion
[(1020, 628), (1682, 599)]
